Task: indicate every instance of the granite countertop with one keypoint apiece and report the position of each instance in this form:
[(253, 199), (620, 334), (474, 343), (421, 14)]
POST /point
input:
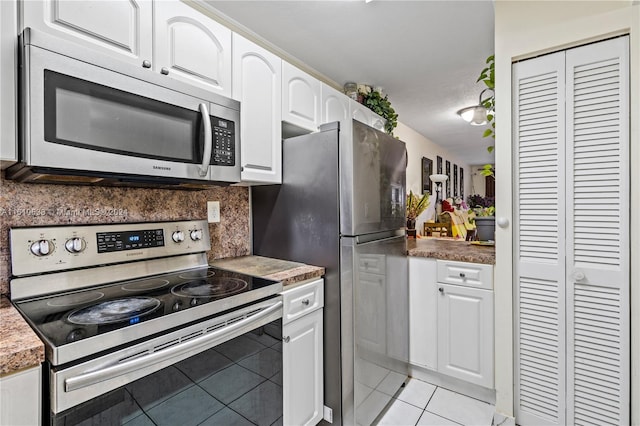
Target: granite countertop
[(450, 249), (20, 348), (275, 269)]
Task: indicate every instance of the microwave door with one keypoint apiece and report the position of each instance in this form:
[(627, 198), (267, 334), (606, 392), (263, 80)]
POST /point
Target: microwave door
[(84, 117)]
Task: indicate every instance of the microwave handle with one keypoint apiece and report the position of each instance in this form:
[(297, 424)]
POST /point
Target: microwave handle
[(208, 142)]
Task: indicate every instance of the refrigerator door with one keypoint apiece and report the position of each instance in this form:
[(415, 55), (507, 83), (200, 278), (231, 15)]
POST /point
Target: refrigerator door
[(299, 221), (375, 325), (372, 181)]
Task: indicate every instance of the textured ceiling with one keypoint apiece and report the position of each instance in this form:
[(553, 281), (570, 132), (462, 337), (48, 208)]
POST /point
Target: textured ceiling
[(426, 55)]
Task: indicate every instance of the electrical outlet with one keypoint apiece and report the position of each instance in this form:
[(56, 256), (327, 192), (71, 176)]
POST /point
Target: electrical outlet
[(213, 211)]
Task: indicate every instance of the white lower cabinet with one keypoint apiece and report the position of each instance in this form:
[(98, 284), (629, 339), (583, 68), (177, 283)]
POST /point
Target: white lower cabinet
[(465, 333), (20, 398), (302, 354), (451, 325)]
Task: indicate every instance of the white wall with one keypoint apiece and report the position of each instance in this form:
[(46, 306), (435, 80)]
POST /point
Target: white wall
[(417, 147), (525, 29)]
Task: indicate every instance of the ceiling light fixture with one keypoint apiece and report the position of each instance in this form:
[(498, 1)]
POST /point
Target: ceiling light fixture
[(475, 115)]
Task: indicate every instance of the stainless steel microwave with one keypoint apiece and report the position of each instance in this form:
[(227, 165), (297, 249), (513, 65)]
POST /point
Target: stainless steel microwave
[(88, 118)]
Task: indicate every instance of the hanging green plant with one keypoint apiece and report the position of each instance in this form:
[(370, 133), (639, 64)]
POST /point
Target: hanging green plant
[(487, 76), (380, 105)]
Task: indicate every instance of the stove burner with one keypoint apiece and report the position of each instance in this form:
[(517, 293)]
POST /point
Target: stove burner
[(145, 285), (75, 299), (212, 287), (206, 273), (112, 311)]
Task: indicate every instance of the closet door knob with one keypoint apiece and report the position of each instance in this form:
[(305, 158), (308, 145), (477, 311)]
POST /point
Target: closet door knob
[(441, 290), (578, 276)]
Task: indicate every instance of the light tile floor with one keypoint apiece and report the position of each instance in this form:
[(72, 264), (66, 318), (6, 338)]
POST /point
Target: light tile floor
[(423, 404)]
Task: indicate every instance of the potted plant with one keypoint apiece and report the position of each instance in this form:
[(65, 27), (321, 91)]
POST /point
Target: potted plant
[(485, 220), (379, 103), (416, 204)]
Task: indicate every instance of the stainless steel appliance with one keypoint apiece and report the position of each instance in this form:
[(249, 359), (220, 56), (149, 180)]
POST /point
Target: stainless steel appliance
[(88, 118), (138, 328), (342, 206)]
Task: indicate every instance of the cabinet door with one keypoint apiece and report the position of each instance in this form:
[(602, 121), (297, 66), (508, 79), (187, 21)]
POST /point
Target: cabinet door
[(119, 28), (20, 403), (192, 47), (257, 85), (8, 82), (302, 371), (360, 112), (335, 106), (300, 98), (423, 313), (465, 333)]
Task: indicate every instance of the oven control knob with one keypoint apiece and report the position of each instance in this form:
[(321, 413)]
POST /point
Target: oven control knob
[(178, 236), (177, 306), (194, 302), (74, 245), (41, 247), (196, 235)]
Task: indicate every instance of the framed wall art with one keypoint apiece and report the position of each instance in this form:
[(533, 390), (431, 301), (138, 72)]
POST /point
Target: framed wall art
[(427, 170), (455, 180), (447, 168)]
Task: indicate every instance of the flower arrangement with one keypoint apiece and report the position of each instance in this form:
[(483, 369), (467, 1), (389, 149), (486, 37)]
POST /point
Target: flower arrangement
[(416, 204), (482, 206), (378, 102)]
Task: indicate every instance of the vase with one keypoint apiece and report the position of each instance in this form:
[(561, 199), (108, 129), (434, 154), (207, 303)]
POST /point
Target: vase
[(486, 228), (411, 228)]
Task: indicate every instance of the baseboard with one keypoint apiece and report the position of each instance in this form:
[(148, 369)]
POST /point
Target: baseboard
[(453, 384)]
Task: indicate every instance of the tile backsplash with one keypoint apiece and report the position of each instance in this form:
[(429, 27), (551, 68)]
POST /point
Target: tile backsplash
[(44, 205)]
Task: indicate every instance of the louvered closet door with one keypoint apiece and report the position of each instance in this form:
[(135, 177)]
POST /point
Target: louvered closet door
[(539, 227), (598, 345), (572, 236)]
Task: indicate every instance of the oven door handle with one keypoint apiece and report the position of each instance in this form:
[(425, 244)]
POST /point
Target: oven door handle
[(93, 377), (208, 140)]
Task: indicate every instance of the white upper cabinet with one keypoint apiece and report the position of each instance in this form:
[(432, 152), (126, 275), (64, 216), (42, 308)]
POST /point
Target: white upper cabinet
[(257, 84), (119, 28), (335, 105), (8, 82), (360, 112), (192, 47), (365, 115), (300, 98)]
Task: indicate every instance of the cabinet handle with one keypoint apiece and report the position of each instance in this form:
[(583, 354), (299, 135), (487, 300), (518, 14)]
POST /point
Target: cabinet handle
[(286, 339), (441, 290), (462, 275), (305, 302), (164, 70), (146, 64)]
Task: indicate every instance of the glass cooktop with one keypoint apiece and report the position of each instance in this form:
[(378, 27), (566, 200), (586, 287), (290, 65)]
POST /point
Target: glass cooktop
[(66, 318)]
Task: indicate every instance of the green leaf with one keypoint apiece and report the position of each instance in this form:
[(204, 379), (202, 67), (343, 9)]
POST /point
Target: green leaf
[(486, 133), (490, 148)]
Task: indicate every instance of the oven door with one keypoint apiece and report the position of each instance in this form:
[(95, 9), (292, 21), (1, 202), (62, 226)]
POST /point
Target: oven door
[(221, 371), (83, 117)]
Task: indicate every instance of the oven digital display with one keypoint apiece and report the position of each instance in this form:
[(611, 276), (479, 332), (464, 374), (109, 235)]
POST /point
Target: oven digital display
[(129, 240)]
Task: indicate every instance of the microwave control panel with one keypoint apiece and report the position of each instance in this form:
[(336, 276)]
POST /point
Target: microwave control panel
[(224, 142)]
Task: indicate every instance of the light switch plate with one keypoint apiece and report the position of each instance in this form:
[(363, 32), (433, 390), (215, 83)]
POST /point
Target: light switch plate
[(213, 211)]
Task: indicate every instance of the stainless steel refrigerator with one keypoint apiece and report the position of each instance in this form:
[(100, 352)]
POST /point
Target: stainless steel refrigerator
[(342, 206)]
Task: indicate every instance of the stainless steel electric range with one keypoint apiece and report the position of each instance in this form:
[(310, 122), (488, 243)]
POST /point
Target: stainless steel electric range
[(138, 328)]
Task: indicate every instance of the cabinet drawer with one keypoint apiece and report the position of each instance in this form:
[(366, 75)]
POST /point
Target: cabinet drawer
[(302, 299), (372, 263), (466, 274)]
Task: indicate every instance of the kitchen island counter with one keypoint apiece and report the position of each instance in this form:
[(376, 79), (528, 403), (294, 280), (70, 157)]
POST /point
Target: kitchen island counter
[(289, 273), (451, 249), (20, 348)]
